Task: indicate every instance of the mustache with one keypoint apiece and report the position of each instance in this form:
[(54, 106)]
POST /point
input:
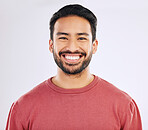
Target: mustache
[(69, 52)]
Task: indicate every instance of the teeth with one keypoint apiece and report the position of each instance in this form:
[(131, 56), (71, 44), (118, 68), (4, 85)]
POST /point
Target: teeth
[(72, 57)]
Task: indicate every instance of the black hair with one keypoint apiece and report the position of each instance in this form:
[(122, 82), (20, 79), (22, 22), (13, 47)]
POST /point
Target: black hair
[(78, 10)]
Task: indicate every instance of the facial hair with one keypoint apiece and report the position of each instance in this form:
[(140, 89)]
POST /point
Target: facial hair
[(75, 71)]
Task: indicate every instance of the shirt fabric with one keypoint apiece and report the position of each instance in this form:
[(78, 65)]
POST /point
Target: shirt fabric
[(97, 106)]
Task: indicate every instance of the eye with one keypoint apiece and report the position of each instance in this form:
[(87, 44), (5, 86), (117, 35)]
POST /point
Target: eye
[(82, 38), (63, 38)]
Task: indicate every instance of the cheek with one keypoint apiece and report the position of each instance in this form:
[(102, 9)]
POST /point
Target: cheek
[(58, 46), (87, 48), (57, 49)]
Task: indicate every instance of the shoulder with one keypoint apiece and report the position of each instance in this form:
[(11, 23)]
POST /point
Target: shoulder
[(26, 104), (120, 101), (111, 92), (35, 92), (34, 96)]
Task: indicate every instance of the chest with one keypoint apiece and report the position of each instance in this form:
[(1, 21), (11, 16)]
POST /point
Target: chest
[(75, 113)]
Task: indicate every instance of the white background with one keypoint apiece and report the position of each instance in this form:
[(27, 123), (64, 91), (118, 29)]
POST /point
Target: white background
[(122, 56)]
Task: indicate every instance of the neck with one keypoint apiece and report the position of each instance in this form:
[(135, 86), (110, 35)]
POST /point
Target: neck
[(73, 81)]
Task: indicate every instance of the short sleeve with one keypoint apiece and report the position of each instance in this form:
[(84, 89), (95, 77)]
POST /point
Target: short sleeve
[(14, 119), (131, 117)]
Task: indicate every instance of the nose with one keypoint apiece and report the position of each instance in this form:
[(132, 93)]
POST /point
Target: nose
[(72, 45)]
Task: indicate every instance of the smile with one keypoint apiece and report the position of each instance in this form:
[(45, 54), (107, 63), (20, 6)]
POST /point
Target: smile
[(72, 58)]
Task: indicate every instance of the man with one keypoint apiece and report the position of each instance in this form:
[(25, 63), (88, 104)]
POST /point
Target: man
[(74, 99)]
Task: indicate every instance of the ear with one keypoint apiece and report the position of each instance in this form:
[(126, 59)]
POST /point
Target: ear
[(95, 46), (51, 46)]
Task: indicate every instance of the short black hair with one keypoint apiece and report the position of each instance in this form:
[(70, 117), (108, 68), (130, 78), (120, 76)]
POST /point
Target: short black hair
[(78, 10)]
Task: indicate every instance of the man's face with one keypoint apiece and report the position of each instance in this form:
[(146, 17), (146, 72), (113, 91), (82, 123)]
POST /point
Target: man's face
[(72, 44)]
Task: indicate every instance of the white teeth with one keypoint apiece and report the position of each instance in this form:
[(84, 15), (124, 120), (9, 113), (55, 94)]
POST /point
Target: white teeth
[(72, 57)]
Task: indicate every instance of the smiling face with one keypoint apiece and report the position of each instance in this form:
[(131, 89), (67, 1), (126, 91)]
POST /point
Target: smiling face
[(72, 45)]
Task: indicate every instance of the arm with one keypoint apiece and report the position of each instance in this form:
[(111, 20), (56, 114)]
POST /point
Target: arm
[(14, 119), (132, 119)]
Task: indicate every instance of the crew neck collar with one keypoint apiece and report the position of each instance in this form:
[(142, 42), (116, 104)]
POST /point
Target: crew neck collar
[(72, 91)]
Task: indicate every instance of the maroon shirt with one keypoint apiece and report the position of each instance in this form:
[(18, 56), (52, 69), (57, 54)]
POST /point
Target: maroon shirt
[(97, 106)]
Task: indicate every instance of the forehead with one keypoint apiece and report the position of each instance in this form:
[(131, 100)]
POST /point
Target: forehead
[(72, 24)]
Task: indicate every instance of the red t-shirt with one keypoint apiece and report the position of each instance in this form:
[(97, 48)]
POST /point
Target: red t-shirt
[(97, 106)]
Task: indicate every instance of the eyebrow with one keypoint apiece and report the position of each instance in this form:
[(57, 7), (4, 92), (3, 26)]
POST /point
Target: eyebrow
[(83, 34), (79, 34), (62, 33)]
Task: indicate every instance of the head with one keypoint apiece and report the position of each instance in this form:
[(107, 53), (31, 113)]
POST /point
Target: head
[(73, 38), (77, 10)]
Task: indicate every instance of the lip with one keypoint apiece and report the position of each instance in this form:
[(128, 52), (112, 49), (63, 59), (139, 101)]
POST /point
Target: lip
[(72, 58)]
